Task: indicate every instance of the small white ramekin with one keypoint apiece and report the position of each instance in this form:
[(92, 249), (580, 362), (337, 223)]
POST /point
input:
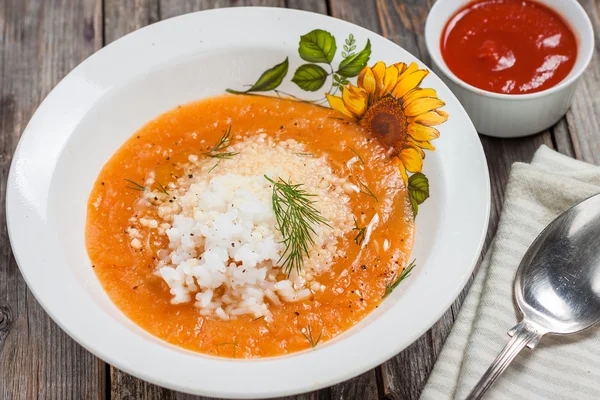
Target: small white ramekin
[(513, 115)]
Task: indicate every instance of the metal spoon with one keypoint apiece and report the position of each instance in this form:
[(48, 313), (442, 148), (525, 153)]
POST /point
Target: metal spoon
[(557, 286)]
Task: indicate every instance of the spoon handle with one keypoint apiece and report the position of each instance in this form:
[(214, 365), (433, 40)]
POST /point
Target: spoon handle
[(523, 335)]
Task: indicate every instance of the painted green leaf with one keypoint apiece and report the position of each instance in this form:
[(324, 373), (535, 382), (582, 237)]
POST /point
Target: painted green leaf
[(269, 80), (354, 63), (310, 77), (415, 206), (418, 188), (317, 46)]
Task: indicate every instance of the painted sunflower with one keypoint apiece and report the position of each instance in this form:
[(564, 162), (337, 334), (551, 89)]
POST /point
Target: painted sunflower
[(390, 104)]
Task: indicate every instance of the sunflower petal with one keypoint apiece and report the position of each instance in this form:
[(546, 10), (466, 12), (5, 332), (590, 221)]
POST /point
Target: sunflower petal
[(415, 145), (411, 159), (366, 80), (423, 105), (379, 70), (409, 82), (338, 104), (401, 67), (422, 145), (390, 79), (422, 133), (430, 118), (355, 99), (417, 94), (413, 67), (402, 170), (379, 73)]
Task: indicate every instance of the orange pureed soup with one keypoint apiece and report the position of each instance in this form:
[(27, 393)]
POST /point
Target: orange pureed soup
[(222, 146)]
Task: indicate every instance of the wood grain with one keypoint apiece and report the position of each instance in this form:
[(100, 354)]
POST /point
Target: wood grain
[(172, 8), (404, 376), (39, 43), (318, 6), (584, 116), (561, 138), (123, 17), (364, 14), (120, 19)]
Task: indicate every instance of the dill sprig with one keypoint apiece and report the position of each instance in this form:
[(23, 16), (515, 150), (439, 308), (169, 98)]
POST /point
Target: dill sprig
[(304, 154), (258, 318), (393, 283), (360, 235), (222, 144), (214, 166), (135, 186), (162, 188), (222, 156), (296, 217), (310, 338), (357, 155), (364, 189)]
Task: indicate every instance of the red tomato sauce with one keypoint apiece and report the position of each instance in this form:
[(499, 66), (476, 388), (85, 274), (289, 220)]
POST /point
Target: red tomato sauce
[(509, 46)]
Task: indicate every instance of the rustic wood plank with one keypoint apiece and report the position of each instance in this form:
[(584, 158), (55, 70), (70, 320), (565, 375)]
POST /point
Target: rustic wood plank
[(318, 6), (356, 11), (123, 17), (25, 366), (172, 8), (562, 138), (365, 386), (584, 116), (404, 376), (126, 387), (120, 19), (40, 42)]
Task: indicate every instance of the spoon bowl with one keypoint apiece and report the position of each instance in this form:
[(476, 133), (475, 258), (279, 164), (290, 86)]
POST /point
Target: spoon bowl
[(557, 286)]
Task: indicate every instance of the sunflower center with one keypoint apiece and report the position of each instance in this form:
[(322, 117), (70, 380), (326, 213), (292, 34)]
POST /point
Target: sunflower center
[(386, 120)]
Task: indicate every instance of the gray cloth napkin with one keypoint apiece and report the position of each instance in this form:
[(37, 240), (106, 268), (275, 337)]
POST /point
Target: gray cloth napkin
[(561, 367)]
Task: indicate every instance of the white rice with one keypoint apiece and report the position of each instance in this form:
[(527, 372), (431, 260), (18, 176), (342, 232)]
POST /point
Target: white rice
[(224, 247)]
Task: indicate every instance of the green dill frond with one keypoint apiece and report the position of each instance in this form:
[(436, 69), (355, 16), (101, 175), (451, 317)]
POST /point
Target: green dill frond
[(222, 144), (135, 186), (393, 283), (310, 338), (214, 166), (360, 235), (162, 188), (296, 216), (224, 156), (364, 189), (304, 154), (357, 155)]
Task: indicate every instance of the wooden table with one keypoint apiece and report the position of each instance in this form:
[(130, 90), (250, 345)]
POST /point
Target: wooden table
[(41, 41)]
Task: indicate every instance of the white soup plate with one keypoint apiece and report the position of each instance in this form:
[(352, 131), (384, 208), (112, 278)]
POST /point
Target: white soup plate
[(112, 94)]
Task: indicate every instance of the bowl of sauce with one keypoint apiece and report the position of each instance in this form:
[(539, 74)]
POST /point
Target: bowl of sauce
[(513, 64)]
